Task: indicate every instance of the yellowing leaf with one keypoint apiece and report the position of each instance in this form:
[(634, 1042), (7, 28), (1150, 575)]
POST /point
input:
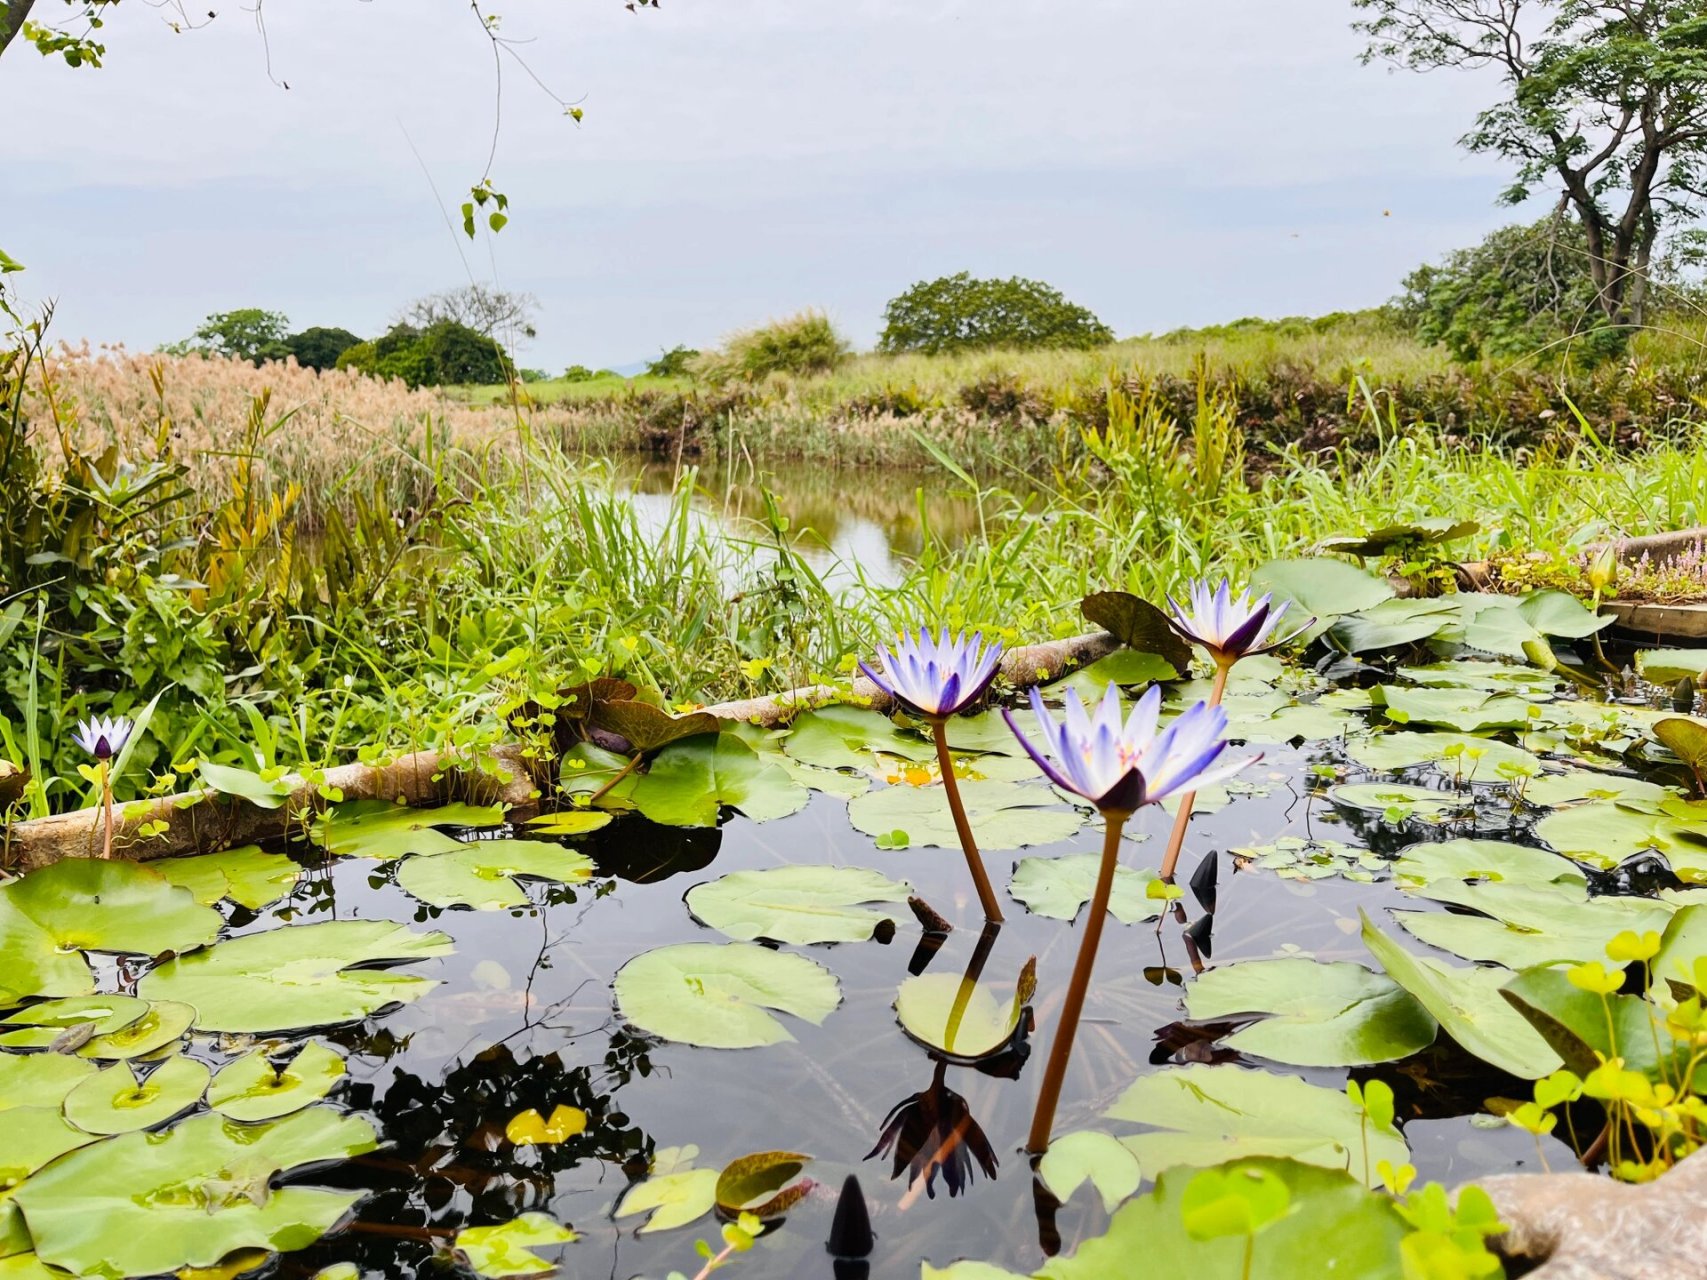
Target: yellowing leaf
[(530, 1128)]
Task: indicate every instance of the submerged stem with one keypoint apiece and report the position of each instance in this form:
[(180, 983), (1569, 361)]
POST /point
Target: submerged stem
[(975, 864), (1043, 1120), (1182, 819)]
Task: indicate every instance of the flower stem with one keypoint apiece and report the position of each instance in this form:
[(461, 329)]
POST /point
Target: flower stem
[(1043, 1119), (615, 778), (1182, 819), (107, 808), (975, 864)]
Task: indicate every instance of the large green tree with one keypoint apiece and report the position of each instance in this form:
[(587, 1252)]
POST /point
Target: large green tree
[(1605, 102), (961, 313)]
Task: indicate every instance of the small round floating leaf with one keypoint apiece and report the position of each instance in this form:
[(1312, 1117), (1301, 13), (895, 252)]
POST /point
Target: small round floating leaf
[(304, 976), (1321, 588), (673, 1199), (39, 1079), (1466, 710), (1320, 1015), (165, 1023), (116, 1102), (251, 1088), (1233, 1202), (764, 1184), (41, 1024), (569, 822), (1004, 815), (1378, 797), (797, 904), (718, 995), (1553, 789), (1060, 887), (963, 1019), (142, 1204), (481, 874), (503, 1250), (379, 829), (530, 1129), (1090, 1156), (248, 876)]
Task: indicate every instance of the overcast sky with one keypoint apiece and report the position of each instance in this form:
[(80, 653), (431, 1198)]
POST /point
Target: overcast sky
[(1164, 163)]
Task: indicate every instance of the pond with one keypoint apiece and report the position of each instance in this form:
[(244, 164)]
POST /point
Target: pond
[(1476, 811)]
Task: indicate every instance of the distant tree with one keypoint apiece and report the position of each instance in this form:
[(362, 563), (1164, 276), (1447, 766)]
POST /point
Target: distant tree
[(579, 373), (442, 354), (1605, 103), (960, 313), (319, 347), (677, 362), (248, 333), (497, 313)]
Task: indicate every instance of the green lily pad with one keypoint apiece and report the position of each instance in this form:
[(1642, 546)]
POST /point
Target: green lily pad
[(1295, 858), (1203, 1115), (717, 995), (1686, 739), (43, 1023), (1574, 1022), (1668, 666), (797, 904), (251, 1088), (569, 822), (1392, 624), (1683, 939), (165, 1023), (1004, 815), (764, 1184), (691, 782), (1474, 673), (114, 1101), (35, 1137), (90, 904), (1124, 667), (1529, 924), (1464, 710), (1558, 613), (851, 738), (248, 876), (384, 831), (1090, 1156), (1553, 789), (1309, 721), (1604, 833), (1392, 539), (1060, 887), (648, 728), (482, 874), (1426, 803), (1320, 588), (1492, 860), (26, 1266), (142, 1203), (303, 976), (964, 1019), (674, 1194), (1402, 749), (1138, 625), (504, 1250), (39, 1079), (1321, 1015), (1468, 1005)]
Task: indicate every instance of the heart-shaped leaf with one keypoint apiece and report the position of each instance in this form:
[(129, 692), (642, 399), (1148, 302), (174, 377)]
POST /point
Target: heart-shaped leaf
[(797, 904), (114, 1101), (482, 874), (251, 1088), (1137, 624), (648, 728), (964, 1019), (718, 996), (504, 1250)]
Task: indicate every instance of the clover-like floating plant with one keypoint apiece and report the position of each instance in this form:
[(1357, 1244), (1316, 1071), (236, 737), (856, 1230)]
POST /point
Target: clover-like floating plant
[(936, 678), (1228, 627), (1120, 768), (104, 739)]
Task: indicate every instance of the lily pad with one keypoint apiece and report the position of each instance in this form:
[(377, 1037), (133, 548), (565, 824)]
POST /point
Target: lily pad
[(251, 1088), (1457, 754), (1468, 1005), (1321, 1015), (797, 904), (1667, 666), (384, 831), (482, 874), (764, 1184), (851, 738), (1203, 1115), (1426, 803), (674, 1195), (1521, 925), (1090, 1156), (1687, 740), (248, 876), (43, 1023), (1575, 1023), (90, 904), (1392, 624), (691, 782), (648, 728), (142, 1203), (569, 822), (114, 1101), (1004, 815), (1553, 789), (35, 1137), (165, 1023), (1060, 887), (305, 976), (1137, 624), (39, 1079), (1323, 589), (1604, 833), (718, 995), (1491, 860), (1124, 667), (1465, 710), (963, 1019), (504, 1250)]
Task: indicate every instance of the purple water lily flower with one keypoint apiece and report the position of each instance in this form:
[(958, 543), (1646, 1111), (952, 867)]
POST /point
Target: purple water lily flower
[(1122, 767), (103, 738), (936, 677), (1231, 627)]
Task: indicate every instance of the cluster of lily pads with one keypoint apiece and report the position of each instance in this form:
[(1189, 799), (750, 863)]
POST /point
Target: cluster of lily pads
[(159, 1065)]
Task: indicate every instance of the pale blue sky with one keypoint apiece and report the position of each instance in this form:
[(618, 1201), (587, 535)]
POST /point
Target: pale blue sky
[(1164, 163)]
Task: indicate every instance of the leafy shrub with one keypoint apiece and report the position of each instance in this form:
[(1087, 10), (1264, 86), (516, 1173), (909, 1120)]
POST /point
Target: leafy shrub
[(1004, 398), (806, 343), (960, 313), (319, 347), (677, 362), (578, 373), (444, 353)]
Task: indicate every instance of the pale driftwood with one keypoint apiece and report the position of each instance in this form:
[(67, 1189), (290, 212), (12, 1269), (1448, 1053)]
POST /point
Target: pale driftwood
[(202, 820), (1582, 1226)]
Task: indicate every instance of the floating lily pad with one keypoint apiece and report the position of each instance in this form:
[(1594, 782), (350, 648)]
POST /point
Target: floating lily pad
[(1575, 1023), (142, 1203), (1492, 860), (1060, 887), (1603, 833), (482, 874), (43, 1023), (39, 1079), (1687, 740), (690, 783), (1320, 588), (248, 876), (1417, 802), (114, 1101), (1392, 624), (1317, 1015), (35, 1137), (765, 1183), (251, 1088), (674, 1195), (1004, 815), (165, 1023), (963, 1019), (1465, 710), (1402, 749), (718, 995), (384, 831), (1203, 1115), (504, 1250), (1667, 666), (569, 822), (648, 728), (90, 904), (797, 904), (851, 738), (1090, 1156), (1472, 673), (1468, 1005), (1124, 667), (303, 976), (1529, 924), (1572, 785), (1295, 858)]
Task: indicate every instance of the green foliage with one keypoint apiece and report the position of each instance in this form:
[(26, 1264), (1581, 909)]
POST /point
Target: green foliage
[(960, 313), (319, 347), (677, 362), (443, 353), (806, 343), (248, 333)]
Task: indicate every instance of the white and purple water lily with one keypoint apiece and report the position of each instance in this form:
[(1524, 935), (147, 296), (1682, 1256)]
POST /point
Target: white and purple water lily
[(1122, 767), (936, 677), (103, 738), (1231, 627)]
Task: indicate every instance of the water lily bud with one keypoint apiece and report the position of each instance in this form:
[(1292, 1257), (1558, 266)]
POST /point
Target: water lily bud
[(1541, 654), (851, 1235), (1603, 572), (1683, 695)]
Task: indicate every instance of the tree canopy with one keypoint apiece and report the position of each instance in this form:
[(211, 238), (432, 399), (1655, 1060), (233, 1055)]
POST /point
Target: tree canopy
[(960, 313)]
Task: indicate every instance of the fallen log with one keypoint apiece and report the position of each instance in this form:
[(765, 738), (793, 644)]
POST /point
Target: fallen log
[(198, 821)]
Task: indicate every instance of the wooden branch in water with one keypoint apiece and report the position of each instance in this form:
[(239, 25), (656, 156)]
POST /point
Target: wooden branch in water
[(198, 821)]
